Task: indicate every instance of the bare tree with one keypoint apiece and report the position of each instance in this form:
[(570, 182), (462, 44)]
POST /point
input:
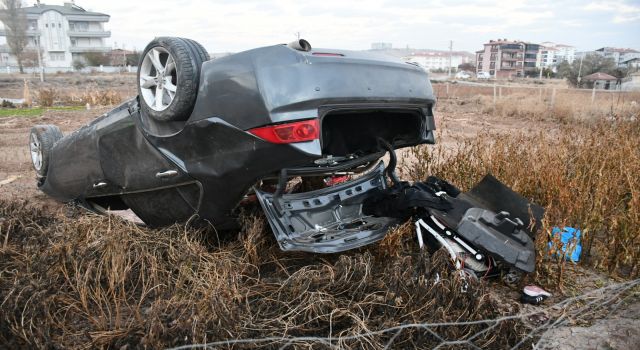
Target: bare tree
[(15, 23)]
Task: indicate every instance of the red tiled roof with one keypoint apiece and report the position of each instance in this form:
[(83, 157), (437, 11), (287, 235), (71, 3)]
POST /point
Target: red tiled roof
[(599, 76)]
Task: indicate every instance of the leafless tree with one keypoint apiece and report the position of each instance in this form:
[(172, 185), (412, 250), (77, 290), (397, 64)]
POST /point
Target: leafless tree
[(15, 23)]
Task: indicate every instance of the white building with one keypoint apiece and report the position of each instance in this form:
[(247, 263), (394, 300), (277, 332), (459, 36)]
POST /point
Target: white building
[(552, 54), (381, 46), (64, 33), (431, 60), (619, 56)]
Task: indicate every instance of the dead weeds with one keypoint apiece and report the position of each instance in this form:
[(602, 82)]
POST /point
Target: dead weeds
[(98, 282)]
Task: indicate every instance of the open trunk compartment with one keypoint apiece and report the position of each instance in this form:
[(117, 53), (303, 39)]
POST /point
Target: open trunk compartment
[(356, 131)]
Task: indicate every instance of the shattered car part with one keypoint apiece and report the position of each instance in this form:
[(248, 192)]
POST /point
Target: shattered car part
[(499, 236), (473, 227), (327, 220)]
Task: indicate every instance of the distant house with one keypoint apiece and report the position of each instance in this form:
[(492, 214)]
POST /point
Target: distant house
[(632, 83), (63, 33), (601, 81)]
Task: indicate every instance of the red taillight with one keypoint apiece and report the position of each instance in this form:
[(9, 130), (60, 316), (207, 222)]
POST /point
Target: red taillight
[(307, 130)]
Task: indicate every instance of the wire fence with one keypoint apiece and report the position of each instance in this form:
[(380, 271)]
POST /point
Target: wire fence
[(545, 93), (582, 307)]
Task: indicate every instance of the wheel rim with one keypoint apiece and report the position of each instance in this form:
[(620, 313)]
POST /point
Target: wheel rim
[(158, 78), (36, 152)]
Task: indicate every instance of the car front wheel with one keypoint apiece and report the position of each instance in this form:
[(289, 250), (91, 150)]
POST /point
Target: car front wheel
[(42, 138)]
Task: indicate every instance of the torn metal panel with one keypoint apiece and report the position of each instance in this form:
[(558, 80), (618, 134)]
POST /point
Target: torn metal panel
[(329, 220)]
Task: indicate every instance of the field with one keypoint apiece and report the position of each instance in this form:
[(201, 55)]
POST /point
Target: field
[(73, 279)]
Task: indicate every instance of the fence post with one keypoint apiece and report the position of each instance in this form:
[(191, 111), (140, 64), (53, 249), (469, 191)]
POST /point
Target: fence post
[(593, 93), (500, 92), (447, 84), (553, 97), (494, 95)]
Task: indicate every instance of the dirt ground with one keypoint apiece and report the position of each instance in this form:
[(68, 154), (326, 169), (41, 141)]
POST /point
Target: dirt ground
[(458, 121)]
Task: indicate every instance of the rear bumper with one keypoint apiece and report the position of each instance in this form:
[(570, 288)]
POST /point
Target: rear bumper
[(329, 220)]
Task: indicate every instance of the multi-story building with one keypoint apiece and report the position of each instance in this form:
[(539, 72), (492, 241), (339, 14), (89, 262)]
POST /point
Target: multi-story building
[(619, 55), (432, 60), (552, 54), (504, 58), (381, 46), (63, 34)]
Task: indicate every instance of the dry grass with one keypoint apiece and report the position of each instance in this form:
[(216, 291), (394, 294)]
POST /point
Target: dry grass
[(94, 96), (95, 282), (47, 96)]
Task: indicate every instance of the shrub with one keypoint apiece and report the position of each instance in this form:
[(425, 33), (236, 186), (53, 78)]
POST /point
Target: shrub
[(78, 65), (47, 96)]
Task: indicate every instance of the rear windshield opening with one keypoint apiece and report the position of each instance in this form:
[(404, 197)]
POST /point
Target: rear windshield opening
[(356, 132)]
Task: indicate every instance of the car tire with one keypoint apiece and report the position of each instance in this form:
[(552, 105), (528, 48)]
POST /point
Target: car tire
[(169, 77), (42, 138)]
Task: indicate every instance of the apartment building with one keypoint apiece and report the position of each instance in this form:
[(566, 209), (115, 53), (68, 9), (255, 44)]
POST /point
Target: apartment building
[(619, 55), (432, 60), (505, 59), (552, 54), (63, 33)]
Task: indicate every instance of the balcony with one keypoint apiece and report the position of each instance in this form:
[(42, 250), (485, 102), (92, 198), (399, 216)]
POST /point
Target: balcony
[(29, 32), (83, 49), (89, 33), (86, 18)]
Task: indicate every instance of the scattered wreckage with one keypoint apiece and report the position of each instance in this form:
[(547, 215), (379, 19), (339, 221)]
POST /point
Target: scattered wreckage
[(204, 135)]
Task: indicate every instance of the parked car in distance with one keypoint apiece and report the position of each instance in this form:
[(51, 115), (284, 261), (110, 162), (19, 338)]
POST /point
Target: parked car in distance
[(463, 75), (483, 75)]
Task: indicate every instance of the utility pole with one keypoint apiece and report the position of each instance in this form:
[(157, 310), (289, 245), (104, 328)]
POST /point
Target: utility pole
[(39, 59), (541, 69), (450, 54), (580, 70)]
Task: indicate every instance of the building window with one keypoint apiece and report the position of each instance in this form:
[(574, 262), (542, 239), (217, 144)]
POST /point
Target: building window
[(46, 25), (56, 56), (74, 43)]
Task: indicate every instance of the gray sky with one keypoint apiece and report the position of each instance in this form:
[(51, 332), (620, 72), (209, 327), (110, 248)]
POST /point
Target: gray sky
[(226, 25)]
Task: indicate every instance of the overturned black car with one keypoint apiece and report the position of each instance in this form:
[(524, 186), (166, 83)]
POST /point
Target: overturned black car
[(300, 130)]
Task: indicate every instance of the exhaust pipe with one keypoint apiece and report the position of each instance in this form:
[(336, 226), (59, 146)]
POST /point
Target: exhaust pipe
[(300, 45)]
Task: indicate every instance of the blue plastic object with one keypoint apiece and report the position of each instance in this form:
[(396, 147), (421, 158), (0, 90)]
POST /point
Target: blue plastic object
[(570, 238)]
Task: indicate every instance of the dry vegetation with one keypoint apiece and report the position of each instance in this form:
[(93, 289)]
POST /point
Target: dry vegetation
[(82, 281), (89, 282), (49, 96)]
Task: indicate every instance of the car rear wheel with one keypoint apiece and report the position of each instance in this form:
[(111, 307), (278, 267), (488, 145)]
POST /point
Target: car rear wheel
[(42, 138), (169, 76)]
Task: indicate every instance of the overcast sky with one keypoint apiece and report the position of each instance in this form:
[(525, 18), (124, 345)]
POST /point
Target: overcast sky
[(228, 25)]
